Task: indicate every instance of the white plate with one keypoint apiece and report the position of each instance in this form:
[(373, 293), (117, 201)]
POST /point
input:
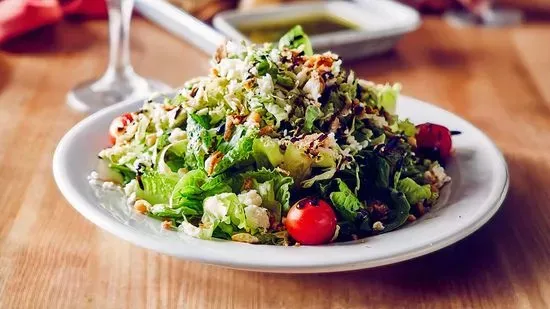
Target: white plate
[(381, 24), (480, 183)]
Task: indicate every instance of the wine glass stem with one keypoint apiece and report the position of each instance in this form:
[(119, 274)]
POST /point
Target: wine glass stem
[(120, 13)]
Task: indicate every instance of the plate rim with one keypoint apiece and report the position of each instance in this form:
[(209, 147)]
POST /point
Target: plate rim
[(92, 213)]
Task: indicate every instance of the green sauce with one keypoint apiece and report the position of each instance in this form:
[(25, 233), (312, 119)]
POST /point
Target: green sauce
[(271, 31)]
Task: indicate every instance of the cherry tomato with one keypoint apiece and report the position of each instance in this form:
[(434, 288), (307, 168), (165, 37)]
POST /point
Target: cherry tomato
[(434, 141), (117, 126), (311, 221)]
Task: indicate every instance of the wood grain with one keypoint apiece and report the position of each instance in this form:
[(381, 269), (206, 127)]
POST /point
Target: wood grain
[(51, 257)]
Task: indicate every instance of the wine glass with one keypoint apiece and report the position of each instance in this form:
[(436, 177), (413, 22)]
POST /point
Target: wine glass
[(119, 82), (484, 13)]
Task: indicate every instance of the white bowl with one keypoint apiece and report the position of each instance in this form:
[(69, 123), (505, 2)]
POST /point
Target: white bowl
[(479, 185), (381, 24)]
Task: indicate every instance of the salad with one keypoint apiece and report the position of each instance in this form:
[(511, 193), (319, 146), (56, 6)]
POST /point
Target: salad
[(277, 145)]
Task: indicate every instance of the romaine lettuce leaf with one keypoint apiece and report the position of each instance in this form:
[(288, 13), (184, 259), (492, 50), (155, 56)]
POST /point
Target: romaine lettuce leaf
[(296, 38), (414, 192), (266, 152), (193, 188), (297, 163), (156, 188), (312, 114), (327, 174), (387, 97), (399, 209), (345, 202), (240, 154), (407, 127), (273, 187)]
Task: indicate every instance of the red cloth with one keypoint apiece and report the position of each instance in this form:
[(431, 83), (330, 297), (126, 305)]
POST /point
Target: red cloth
[(20, 16)]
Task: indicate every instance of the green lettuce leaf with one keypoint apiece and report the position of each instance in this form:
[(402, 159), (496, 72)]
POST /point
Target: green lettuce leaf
[(325, 175), (345, 202), (156, 188), (414, 192), (407, 127), (240, 154), (202, 120), (399, 209), (191, 190), (296, 38), (273, 187), (312, 114), (297, 163), (387, 97), (266, 152)]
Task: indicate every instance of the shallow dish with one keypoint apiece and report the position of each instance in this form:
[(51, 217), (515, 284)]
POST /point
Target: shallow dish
[(380, 24), (479, 185)]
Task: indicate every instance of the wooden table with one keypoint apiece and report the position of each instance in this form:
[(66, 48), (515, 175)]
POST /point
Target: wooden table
[(51, 257)]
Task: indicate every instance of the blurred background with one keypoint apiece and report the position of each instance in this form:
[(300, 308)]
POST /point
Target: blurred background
[(358, 30)]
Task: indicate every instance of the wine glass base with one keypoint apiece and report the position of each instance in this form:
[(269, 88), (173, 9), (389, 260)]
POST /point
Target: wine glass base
[(492, 18), (92, 96)]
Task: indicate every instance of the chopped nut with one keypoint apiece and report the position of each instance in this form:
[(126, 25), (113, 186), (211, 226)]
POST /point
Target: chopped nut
[(249, 83), (142, 206), (421, 209), (378, 226), (412, 141), (335, 125), (214, 72), (430, 177), (411, 218), (194, 91), (220, 53), (247, 184), (212, 161), (266, 130), (254, 117), (151, 139), (166, 224), (229, 125), (245, 237)]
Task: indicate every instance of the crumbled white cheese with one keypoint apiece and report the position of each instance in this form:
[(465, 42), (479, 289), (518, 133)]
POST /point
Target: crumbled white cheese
[(250, 198), (130, 187), (108, 185), (265, 85), (314, 86), (353, 143), (336, 67), (93, 179), (131, 200), (233, 69), (189, 229), (437, 174), (256, 217), (274, 55), (214, 207), (235, 48), (232, 86), (378, 121)]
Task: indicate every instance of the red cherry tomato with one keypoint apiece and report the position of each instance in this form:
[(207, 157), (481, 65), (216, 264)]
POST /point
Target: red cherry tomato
[(117, 126), (311, 221), (434, 141)]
